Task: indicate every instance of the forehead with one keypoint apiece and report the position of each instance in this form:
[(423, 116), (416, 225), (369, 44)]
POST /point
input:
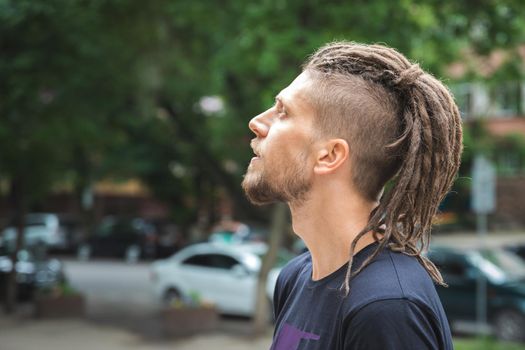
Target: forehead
[(296, 96)]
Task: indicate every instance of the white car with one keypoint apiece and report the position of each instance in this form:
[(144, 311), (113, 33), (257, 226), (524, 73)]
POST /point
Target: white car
[(223, 274), (38, 228)]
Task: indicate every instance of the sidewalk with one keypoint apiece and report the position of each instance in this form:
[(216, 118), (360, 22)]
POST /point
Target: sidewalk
[(74, 334), (471, 239)]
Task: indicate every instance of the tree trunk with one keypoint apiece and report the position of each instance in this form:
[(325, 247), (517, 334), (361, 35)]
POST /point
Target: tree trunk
[(263, 307), (18, 206), (84, 197), (84, 192)]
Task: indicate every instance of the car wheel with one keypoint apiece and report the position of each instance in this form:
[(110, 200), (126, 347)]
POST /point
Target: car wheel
[(509, 325), (171, 297)]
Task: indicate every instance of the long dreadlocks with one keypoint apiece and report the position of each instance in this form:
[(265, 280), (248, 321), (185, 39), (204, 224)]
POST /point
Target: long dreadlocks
[(412, 137)]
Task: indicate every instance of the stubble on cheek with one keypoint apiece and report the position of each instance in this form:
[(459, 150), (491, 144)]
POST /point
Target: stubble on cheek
[(286, 183), (258, 188)]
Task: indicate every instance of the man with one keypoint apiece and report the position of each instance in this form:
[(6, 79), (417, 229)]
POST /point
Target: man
[(356, 118)]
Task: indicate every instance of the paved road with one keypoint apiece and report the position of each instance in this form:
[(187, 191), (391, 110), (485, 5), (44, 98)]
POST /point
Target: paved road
[(29, 334), (124, 287), (121, 314), (471, 240), (120, 294), (117, 295)]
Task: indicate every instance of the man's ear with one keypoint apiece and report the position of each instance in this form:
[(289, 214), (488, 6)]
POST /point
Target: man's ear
[(331, 156)]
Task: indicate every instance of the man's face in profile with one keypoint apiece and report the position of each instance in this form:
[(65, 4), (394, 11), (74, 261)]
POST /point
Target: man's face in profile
[(282, 167)]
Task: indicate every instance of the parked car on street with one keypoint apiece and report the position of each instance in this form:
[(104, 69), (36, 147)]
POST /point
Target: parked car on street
[(130, 239), (74, 232), (32, 273), (170, 238), (504, 273), (38, 228), (221, 273)]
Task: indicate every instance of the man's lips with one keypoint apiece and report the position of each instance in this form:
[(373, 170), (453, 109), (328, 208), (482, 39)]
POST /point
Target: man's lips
[(256, 154), (255, 149)]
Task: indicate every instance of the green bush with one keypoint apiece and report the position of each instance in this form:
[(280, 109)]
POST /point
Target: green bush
[(485, 344)]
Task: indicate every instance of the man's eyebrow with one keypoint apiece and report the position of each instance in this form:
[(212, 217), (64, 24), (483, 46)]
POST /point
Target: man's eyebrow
[(278, 98)]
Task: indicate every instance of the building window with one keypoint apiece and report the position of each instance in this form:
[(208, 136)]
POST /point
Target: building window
[(505, 99)]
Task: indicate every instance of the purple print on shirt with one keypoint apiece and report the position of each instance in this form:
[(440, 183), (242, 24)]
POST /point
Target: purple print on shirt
[(289, 338)]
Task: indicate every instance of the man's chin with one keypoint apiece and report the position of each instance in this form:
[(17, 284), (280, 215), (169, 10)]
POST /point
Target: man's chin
[(258, 192)]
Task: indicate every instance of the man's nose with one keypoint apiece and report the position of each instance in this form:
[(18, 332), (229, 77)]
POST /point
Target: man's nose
[(260, 124)]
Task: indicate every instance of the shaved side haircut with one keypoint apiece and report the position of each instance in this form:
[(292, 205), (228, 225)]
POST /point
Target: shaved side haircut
[(403, 129)]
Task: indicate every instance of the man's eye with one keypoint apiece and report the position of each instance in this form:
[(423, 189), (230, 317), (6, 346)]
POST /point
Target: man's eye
[(279, 109), (281, 112)]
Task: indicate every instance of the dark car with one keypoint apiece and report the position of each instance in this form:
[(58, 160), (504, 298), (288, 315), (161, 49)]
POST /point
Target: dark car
[(34, 272), (169, 239), (518, 249), (130, 239), (504, 273), (74, 233)]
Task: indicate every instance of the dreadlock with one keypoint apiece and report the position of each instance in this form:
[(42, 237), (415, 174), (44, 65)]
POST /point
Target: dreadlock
[(421, 158)]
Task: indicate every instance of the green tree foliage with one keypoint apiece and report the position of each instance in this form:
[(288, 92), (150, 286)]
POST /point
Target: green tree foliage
[(111, 88)]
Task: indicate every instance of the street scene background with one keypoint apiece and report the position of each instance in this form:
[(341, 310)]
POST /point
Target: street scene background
[(124, 140)]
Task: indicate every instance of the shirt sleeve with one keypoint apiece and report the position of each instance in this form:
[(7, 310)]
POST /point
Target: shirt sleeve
[(276, 299), (392, 324)]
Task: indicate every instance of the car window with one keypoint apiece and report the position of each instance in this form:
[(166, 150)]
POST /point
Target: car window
[(197, 260), (452, 268), (106, 227), (41, 220), (449, 264), (123, 228), (223, 261), (35, 224), (218, 261), (32, 222), (520, 252), (499, 265)]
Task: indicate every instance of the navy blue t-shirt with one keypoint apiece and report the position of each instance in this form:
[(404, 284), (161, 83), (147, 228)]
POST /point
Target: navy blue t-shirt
[(392, 304)]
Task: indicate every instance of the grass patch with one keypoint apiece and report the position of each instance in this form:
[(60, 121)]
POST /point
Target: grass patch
[(485, 344)]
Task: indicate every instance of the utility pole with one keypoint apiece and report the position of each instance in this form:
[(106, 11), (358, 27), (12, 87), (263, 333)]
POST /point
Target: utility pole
[(483, 203)]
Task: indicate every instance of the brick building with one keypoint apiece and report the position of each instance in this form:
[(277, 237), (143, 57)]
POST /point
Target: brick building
[(499, 101)]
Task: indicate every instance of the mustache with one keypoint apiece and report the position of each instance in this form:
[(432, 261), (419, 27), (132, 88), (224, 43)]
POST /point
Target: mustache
[(255, 147)]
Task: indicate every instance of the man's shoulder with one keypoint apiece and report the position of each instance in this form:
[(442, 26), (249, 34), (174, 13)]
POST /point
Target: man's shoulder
[(404, 325), (392, 275), (395, 292)]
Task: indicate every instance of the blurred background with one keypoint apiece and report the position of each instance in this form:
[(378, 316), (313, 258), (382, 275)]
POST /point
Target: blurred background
[(123, 141)]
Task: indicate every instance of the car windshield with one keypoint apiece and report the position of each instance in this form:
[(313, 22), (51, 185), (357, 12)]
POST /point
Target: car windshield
[(38, 220), (499, 265)]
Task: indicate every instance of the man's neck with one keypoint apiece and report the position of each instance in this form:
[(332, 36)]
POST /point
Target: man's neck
[(328, 221)]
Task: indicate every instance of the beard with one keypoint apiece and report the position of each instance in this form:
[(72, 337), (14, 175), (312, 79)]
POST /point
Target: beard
[(287, 183)]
